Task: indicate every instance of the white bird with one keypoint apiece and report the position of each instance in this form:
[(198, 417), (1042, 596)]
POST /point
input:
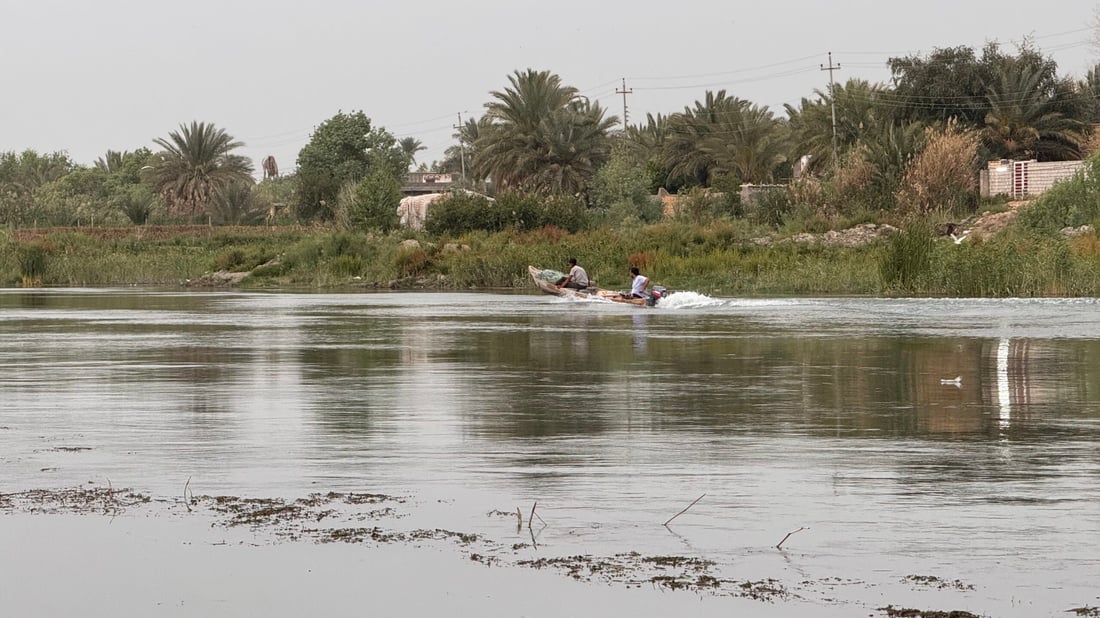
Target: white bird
[(957, 381), (958, 239)]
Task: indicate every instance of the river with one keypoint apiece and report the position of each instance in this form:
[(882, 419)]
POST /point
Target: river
[(929, 453)]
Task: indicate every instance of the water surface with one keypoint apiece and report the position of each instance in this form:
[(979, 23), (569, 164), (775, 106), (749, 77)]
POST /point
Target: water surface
[(954, 438)]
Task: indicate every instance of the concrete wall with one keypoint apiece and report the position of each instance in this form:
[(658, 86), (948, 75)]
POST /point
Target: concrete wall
[(1020, 179)]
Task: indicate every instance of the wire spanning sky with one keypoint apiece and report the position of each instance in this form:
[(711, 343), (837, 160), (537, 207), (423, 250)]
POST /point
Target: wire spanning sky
[(115, 74)]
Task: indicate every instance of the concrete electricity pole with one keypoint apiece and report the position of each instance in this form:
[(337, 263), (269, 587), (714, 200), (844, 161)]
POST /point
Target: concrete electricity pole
[(462, 147), (624, 91), (832, 99)]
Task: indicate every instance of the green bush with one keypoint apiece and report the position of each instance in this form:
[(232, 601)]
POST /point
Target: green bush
[(242, 259), (1069, 203), (771, 209), (376, 201), (462, 213)]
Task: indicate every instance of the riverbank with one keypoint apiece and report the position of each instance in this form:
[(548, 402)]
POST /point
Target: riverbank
[(721, 258)]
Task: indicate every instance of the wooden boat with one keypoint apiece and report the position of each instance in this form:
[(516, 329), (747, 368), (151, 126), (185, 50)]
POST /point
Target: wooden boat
[(544, 279)]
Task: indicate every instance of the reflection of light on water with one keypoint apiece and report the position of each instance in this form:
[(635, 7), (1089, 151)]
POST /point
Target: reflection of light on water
[(1004, 398)]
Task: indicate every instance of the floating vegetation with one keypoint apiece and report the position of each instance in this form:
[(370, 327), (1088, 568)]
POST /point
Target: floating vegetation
[(896, 612), (80, 501), (932, 581), (289, 520)]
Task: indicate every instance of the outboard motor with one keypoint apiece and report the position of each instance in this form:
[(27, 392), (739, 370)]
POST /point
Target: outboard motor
[(655, 294)]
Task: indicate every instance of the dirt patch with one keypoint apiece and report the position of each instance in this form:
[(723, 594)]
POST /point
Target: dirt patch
[(988, 224), (858, 236)]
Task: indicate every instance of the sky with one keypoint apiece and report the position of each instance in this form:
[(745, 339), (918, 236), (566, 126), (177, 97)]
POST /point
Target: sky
[(86, 77)]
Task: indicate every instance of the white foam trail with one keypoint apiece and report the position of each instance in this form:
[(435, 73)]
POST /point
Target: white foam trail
[(688, 300)]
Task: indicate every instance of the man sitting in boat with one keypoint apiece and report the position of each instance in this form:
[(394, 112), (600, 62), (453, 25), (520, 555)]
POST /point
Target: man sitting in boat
[(577, 278), (638, 285)]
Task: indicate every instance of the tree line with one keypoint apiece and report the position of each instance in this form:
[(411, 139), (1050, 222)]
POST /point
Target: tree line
[(913, 144)]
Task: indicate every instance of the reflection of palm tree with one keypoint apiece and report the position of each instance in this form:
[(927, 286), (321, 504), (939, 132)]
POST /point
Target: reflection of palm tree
[(195, 165)]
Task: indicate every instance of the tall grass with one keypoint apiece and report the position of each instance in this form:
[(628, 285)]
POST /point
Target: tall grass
[(908, 259)]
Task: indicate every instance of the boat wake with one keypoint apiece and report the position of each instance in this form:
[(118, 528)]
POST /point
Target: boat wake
[(688, 300)]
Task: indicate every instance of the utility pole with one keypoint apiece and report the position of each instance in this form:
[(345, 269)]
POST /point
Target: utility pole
[(624, 91), (462, 147), (832, 100)]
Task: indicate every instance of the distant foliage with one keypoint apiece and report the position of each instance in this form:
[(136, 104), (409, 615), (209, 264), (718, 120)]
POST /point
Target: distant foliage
[(622, 187), (699, 205), (343, 149)]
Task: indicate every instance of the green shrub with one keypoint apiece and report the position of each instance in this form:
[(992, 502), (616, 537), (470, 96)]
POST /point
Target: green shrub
[(462, 213), (771, 209), (411, 261), (1069, 203)]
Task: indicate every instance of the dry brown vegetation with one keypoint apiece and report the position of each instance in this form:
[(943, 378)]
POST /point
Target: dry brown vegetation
[(941, 178)]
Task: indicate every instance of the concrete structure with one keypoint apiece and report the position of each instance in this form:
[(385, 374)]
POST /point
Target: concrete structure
[(1021, 179), (752, 195), (423, 183)]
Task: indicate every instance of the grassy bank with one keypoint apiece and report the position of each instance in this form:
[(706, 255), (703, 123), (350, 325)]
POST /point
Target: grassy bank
[(718, 259)]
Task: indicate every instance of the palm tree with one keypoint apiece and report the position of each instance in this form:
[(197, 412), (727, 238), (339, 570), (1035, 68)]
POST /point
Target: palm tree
[(750, 146), (725, 135), (111, 162), (540, 136), (195, 166), (1026, 119), (410, 146), (859, 106)]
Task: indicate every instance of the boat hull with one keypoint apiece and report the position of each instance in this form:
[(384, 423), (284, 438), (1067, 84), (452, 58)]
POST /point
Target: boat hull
[(609, 295)]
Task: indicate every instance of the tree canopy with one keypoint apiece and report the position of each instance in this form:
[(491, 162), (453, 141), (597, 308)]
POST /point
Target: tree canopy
[(342, 150)]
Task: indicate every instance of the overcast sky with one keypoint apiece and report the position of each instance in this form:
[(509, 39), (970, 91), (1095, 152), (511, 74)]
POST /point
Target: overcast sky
[(86, 77)]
